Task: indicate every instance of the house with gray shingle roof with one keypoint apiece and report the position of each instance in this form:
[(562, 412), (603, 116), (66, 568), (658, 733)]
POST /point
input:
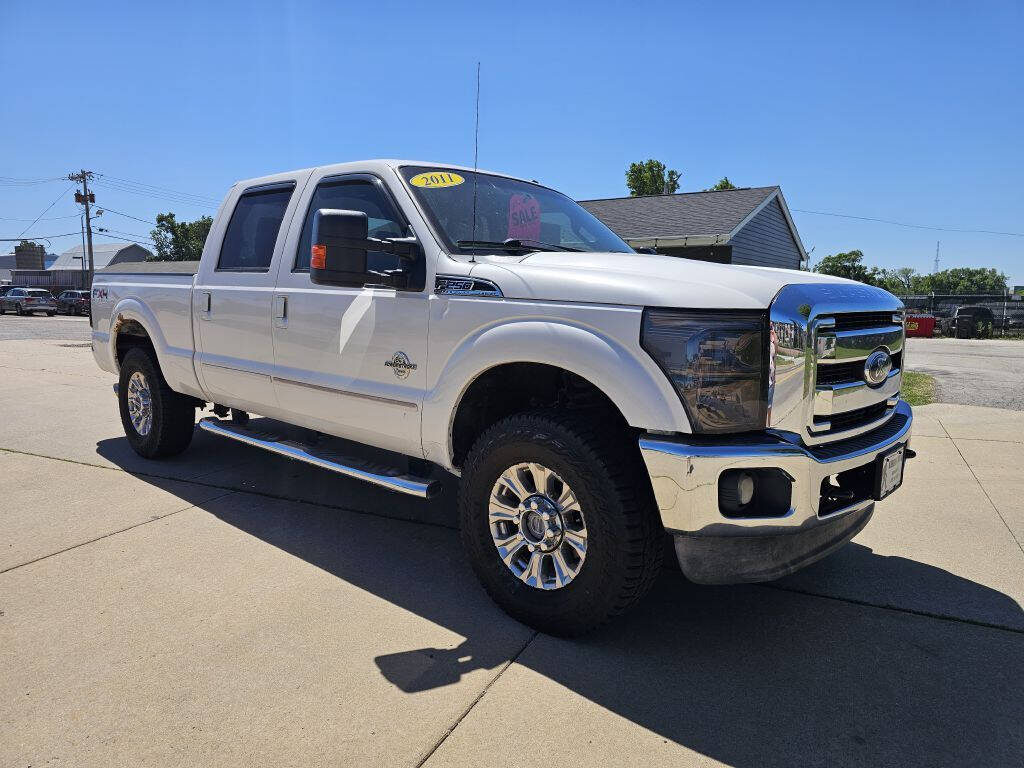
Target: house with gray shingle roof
[(749, 225)]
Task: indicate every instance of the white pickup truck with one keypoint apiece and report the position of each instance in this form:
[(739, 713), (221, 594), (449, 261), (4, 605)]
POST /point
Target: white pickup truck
[(591, 398)]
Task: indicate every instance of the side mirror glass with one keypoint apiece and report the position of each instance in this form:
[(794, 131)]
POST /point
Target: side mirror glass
[(339, 247)]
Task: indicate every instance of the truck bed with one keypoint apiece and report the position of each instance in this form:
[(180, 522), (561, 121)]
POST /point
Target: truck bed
[(152, 268)]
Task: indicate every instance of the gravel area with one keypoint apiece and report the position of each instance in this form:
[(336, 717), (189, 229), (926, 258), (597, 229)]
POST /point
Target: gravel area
[(58, 327), (987, 372)]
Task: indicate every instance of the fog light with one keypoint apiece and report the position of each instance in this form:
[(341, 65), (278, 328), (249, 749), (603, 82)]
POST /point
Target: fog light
[(735, 490), (755, 493)]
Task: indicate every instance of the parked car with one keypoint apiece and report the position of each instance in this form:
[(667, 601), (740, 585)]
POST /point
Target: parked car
[(589, 397), (73, 303), (25, 301), (4, 289), (968, 322)]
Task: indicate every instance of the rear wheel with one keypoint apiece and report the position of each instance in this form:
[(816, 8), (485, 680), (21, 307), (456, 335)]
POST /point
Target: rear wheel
[(558, 521), (158, 421)]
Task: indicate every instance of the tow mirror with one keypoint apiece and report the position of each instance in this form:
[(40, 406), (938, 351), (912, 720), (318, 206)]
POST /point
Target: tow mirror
[(339, 247)]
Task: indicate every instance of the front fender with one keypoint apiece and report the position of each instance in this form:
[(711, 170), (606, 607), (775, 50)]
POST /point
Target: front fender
[(609, 357)]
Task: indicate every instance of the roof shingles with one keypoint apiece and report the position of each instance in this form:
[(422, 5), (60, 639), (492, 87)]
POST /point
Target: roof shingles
[(690, 214)]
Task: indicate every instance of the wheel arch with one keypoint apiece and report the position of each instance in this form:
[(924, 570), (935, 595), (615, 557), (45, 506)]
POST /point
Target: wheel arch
[(133, 325), (589, 363)]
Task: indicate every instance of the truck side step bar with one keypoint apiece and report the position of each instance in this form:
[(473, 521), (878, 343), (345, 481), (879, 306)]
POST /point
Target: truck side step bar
[(386, 477)]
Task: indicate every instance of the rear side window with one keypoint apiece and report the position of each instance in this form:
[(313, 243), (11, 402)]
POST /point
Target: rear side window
[(353, 195), (249, 241)]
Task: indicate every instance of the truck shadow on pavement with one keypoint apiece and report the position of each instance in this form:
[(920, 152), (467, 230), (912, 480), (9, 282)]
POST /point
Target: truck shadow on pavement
[(747, 675)]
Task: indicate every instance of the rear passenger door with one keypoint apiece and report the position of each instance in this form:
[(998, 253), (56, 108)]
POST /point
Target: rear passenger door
[(351, 361), (234, 291)]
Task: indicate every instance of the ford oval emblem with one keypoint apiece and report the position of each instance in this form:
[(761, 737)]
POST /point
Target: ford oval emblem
[(877, 367)]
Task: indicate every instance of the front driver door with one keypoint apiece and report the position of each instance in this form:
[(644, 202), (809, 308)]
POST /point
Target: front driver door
[(351, 361)]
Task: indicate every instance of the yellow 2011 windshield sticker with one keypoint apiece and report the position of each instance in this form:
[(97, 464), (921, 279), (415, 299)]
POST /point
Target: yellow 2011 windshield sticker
[(436, 179)]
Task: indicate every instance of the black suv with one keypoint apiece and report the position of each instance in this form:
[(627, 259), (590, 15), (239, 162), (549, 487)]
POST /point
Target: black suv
[(73, 303)]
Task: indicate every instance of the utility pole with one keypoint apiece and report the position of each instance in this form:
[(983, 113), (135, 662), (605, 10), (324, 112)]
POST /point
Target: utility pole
[(936, 267), (85, 197)]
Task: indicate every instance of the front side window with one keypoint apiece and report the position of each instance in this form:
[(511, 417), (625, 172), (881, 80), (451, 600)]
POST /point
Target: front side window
[(249, 241), (353, 195), (506, 209)]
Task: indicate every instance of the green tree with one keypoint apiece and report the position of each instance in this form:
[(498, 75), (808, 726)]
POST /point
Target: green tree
[(651, 178), (963, 280), (179, 240), (850, 265), (724, 183), (900, 281)]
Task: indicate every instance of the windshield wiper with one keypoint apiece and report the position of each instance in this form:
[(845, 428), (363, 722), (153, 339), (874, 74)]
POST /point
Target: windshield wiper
[(515, 244)]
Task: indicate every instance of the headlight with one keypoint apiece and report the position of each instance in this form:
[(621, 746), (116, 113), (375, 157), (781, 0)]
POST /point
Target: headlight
[(717, 363)]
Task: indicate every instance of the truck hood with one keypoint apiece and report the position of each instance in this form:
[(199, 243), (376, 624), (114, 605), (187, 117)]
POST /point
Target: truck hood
[(638, 279)]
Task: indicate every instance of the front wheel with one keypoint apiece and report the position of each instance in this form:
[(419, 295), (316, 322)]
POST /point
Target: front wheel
[(558, 520), (158, 421)]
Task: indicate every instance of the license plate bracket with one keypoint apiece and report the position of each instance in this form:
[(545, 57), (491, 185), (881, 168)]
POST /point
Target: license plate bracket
[(889, 471)]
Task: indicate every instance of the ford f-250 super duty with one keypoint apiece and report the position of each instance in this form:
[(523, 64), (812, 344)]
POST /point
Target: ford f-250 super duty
[(591, 398)]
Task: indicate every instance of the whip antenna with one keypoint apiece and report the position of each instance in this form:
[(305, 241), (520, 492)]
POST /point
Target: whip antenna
[(476, 151)]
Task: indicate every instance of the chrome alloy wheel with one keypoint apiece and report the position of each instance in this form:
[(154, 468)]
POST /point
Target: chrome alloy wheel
[(140, 403), (537, 526)]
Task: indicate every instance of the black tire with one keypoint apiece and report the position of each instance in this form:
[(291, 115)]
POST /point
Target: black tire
[(19, 310), (173, 414), (50, 314), (624, 535)]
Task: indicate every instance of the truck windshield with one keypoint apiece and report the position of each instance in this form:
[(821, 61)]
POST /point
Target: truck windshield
[(511, 215)]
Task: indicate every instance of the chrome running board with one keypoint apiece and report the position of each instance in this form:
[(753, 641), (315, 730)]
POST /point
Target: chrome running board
[(386, 477)]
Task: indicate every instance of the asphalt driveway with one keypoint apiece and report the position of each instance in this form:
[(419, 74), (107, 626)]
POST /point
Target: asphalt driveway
[(986, 372), (227, 607)]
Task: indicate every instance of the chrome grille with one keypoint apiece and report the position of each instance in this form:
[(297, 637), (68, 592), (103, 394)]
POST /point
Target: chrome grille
[(822, 334), (854, 321), (840, 373)]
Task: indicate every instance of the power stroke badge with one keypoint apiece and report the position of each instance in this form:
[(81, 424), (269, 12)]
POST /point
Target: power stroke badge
[(400, 364)]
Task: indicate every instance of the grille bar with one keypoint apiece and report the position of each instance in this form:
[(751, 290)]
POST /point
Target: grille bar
[(856, 321), (844, 373)]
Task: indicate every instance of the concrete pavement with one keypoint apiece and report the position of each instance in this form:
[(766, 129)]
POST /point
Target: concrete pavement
[(228, 607)]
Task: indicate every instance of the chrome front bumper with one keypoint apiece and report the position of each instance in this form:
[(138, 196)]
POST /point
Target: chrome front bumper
[(713, 548)]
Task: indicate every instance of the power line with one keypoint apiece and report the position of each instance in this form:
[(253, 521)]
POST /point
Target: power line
[(159, 188), (107, 209), (49, 218), (104, 184), (911, 226), (121, 232), (123, 237), (37, 218), (13, 182), (38, 237)]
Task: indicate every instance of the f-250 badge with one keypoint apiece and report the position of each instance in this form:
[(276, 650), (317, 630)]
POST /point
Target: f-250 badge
[(400, 364)]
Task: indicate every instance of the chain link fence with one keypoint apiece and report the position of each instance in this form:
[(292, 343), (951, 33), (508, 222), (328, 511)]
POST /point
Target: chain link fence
[(1007, 311)]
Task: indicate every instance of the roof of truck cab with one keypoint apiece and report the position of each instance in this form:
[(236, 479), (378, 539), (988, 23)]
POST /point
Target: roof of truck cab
[(380, 166)]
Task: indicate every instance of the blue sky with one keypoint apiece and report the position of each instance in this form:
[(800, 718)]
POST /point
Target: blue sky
[(904, 111)]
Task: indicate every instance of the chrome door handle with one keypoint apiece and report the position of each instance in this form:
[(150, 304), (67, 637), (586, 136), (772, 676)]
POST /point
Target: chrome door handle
[(281, 311), (205, 304)]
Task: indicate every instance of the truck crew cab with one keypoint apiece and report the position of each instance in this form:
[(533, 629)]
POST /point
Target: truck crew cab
[(591, 398)]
